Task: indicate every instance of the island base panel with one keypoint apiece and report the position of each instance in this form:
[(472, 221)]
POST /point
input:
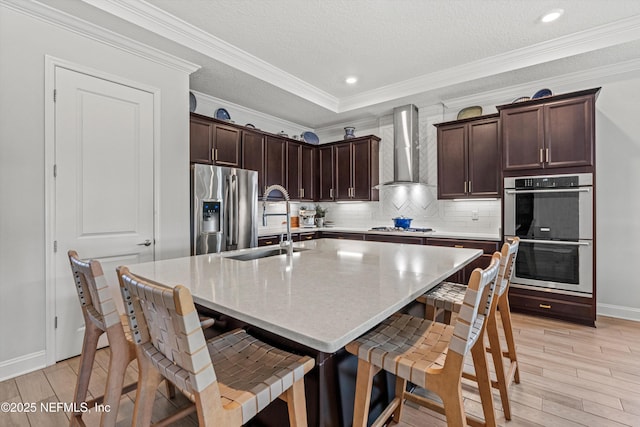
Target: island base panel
[(329, 386)]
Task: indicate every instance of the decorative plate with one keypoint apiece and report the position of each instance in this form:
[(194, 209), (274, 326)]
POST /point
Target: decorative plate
[(521, 99), (469, 112), (310, 137), (541, 93), (193, 102), (222, 114)]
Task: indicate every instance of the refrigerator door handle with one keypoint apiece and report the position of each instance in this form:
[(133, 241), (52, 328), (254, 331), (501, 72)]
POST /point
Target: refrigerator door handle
[(233, 210)]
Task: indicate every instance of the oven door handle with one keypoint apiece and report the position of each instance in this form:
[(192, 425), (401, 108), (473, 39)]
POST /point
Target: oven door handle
[(551, 190), (556, 242)]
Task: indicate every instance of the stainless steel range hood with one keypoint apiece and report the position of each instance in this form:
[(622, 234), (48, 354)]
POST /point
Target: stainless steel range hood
[(405, 146)]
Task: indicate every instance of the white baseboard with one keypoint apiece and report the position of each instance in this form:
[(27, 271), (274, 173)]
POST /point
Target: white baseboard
[(22, 365), (618, 311)]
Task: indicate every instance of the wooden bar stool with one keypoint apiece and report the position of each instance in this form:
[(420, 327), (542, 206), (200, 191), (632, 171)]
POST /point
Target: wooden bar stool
[(248, 374), (100, 316), (430, 355), (447, 297)]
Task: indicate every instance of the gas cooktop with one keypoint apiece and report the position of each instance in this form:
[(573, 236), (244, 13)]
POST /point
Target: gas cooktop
[(403, 230)]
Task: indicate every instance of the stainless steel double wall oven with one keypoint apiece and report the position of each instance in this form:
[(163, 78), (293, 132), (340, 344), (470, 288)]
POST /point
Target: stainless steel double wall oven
[(553, 217)]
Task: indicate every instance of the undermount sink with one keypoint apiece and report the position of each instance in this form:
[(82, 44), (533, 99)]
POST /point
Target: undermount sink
[(263, 254)]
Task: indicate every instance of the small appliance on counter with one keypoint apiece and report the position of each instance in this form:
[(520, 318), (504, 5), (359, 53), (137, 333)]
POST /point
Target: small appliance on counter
[(307, 218)]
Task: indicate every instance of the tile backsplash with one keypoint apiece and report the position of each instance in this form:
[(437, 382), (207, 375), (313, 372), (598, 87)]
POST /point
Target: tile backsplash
[(418, 201)]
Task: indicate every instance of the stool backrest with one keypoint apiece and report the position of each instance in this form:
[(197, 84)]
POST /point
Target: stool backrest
[(165, 324), (507, 267), (477, 299), (93, 291)]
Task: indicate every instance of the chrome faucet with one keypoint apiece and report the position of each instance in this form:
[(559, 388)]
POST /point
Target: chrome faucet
[(289, 243)]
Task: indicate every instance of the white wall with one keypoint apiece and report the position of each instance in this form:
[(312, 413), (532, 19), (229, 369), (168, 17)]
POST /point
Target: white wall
[(618, 198), (24, 42)]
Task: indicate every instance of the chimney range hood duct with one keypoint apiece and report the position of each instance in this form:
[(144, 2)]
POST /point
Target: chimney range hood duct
[(405, 146)]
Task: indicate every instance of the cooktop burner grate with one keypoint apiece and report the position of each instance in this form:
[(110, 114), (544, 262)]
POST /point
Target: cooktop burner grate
[(411, 229)]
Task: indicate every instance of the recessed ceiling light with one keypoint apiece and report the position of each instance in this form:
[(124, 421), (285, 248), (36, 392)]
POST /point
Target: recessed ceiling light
[(351, 80), (552, 15)]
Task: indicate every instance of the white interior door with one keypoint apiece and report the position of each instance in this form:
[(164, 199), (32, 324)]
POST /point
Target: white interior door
[(103, 187)]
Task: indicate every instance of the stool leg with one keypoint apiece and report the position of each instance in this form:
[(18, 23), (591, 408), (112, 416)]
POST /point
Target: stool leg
[(401, 387), (505, 315), (496, 354), (296, 404), (89, 346), (484, 382), (364, 384), (148, 381), (118, 362)]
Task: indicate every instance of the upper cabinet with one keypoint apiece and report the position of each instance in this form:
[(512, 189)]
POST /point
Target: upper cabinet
[(214, 143), (253, 155), (469, 158), (301, 170), (325, 173), (356, 169), (274, 163), (548, 133)]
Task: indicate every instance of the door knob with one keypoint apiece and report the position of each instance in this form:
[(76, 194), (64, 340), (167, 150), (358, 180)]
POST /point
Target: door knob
[(145, 243)]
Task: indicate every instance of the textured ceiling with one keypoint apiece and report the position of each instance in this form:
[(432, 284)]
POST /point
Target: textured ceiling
[(289, 58)]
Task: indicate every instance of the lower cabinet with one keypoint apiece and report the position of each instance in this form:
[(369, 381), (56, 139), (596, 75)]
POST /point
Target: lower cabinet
[(273, 239), (341, 235), (462, 276), (412, 240), (550, 304)]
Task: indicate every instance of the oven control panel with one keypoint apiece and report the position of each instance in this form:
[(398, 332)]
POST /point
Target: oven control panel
[(531, 183)]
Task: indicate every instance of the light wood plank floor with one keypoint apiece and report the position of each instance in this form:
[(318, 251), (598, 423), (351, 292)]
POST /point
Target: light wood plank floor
[(571, 375)]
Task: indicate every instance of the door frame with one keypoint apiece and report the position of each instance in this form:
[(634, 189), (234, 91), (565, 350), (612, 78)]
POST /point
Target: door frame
[(50, 65)]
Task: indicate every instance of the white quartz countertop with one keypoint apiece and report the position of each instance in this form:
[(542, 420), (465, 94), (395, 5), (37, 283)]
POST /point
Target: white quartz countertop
[(322, 297), (439, 234)]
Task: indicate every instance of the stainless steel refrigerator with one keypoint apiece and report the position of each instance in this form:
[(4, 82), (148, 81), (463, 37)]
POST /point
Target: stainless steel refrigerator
[(224, 208)]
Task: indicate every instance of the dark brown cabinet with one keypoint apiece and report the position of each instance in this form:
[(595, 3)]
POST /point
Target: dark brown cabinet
[(488, 248), (356, 166), (409, 240), (214, 143), (253, 155), (549, 304), (301, 171), (274, 163), (548, 133), (325, 173), (469, 158)]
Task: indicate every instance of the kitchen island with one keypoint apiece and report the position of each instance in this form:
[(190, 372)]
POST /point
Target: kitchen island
[(314, 302)]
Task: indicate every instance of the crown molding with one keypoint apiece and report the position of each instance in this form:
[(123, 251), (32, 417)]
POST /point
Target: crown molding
[(621, 31), (214, 102), (162, 23), (568, 82), (84, 28)]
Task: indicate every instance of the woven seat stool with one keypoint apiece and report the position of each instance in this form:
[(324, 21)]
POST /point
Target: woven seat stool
[(230, 378), (430, 355), (446, 297)]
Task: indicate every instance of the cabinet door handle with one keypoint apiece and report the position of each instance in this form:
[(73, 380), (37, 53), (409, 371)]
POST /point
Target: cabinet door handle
[(469, 186), (302, 192), (331, 193), (541, 155), (308, 237), (268, 242), (465, 187), (546, 155), (458, 246), (545, 306)]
